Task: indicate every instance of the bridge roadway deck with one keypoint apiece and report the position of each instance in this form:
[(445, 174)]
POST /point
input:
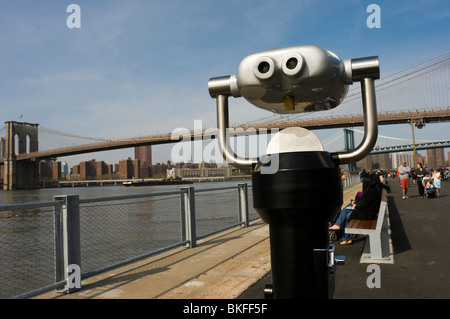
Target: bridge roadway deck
[(441, 114), (236, 264)]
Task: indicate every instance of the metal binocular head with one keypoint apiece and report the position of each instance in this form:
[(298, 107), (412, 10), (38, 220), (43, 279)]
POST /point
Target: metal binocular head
[(293, 79), (298, 79)]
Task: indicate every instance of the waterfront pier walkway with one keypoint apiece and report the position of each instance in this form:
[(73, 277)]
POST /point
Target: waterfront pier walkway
[(236, 264)]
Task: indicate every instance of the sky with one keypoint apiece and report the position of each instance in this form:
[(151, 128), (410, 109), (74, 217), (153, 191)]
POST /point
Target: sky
[(140, 67)]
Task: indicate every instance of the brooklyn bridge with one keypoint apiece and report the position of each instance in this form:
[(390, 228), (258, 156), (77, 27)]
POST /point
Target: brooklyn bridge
[(418, 95)]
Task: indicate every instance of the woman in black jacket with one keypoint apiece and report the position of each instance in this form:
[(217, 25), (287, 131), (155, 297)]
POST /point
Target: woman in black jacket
[(367, 207), (420, 173)]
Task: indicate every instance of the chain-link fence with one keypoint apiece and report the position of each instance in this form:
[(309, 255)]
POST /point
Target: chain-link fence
[(206, 218), (119, 230), (27, 251), (39, 240)]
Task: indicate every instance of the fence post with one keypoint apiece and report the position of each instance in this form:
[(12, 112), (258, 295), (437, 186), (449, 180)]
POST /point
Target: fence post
[(243, 204), (188, 216), (183, 214), (67, 242)]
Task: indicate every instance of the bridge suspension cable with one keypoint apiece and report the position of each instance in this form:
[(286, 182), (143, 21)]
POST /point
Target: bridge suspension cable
[(336, 142), (408, 140), (407, 93), (433, 91), (50, 131)]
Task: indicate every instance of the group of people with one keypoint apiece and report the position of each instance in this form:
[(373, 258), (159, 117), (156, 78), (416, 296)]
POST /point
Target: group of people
[(425, 180), (366, 204)]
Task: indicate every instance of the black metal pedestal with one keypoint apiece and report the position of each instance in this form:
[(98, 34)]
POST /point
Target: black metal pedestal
[(297, 202)]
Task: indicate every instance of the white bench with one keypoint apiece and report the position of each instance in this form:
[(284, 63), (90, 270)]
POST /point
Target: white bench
[(378, 245)]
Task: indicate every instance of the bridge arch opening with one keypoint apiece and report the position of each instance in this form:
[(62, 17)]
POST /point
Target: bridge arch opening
[(27, 143), (16, 144)]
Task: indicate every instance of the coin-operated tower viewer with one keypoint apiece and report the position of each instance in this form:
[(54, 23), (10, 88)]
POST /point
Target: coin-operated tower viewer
[(297, 186)]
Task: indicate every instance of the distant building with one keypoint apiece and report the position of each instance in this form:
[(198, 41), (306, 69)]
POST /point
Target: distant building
[(397, 159), (49, 170), (200, 172), (420, 159), (159, 170), (87, 170), (435, 157), (92, 170), (375, 161), (129, 169), (144, 154), (76, 170), (64, 168), (101, 169)]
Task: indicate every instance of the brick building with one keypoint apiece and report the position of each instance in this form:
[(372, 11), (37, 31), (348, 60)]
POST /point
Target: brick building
[(129, 169), (144, 154), (92, 170), (375, 161), (49, 170), (435, 157)]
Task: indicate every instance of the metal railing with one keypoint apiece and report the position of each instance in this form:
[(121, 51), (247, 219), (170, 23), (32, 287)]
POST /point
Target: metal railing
[(41, 242), (351, 180)]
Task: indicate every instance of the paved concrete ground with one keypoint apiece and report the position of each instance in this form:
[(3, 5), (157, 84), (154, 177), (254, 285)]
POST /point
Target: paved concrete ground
[(236, 264), (220, 267), (420, 234)]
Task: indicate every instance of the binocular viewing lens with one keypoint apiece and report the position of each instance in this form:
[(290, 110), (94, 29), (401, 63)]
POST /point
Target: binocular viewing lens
[(264, 67), (291, 63)]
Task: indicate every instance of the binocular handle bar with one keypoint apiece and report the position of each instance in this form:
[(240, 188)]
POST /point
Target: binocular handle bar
[(365, 70)]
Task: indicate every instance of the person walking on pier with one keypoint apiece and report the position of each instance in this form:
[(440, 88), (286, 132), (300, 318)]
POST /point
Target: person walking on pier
[(420, 173), (404, 174), (437, 181)]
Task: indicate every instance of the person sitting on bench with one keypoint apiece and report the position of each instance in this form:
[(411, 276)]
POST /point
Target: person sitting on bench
[(366, 208)]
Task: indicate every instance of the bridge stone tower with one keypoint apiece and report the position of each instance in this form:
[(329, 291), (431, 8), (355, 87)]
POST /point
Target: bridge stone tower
[(349, 145), (21, 174)]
